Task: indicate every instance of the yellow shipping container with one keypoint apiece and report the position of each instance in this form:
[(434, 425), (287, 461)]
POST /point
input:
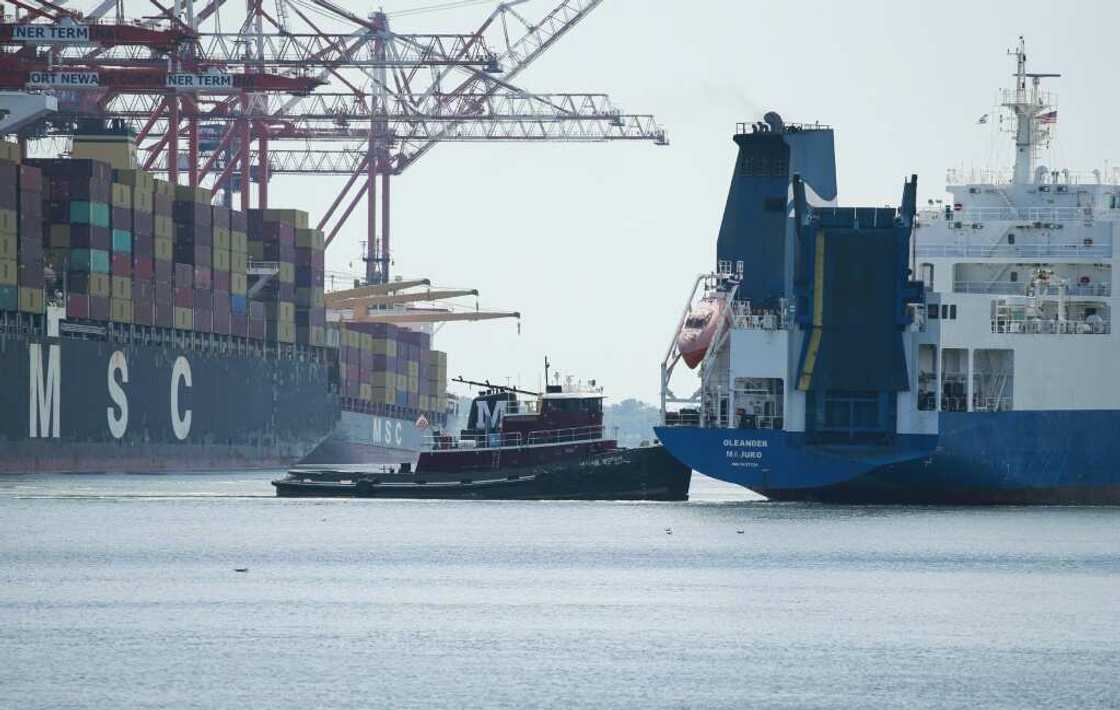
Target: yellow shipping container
[(239, 242), (9, 272), (120, 310), (142, 200), (296, 218), (186, 193), (100, 285), (256, 251), (238, 283), (383, 379), (137, 179), (365, 391), (120, 195), (8, 244), (122, 288), (221, 238), (220, 259), (162, 227), (287, 273), (162, 187), (9, 151), (9, 222), (414, 369), (238, 262), (310, 239), (31, 300), (286, 332), (184, 318), (164, 248)]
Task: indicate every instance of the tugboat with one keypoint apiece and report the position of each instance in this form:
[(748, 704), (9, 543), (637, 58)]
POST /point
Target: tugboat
[(549, 447)]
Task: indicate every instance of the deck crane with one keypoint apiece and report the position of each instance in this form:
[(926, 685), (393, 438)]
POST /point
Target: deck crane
[(389, 97)]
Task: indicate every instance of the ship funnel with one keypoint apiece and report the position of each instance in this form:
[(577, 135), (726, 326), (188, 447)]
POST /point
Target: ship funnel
[(772, 119)]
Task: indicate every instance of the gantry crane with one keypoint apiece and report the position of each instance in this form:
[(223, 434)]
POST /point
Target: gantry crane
[(305, 87)]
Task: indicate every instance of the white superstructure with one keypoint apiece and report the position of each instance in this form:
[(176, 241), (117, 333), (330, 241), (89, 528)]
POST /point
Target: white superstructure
[(1022, 266)]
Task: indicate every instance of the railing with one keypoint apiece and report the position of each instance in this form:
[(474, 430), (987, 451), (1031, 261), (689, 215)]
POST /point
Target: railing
[(744, 318), (1028, 251), (1050, 327), (759, 421), (1003, 177), (1019, 288), (513, 439), (1043, 215)]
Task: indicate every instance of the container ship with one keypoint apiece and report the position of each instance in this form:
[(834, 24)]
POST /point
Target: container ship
[(144, 329), (959, 355)]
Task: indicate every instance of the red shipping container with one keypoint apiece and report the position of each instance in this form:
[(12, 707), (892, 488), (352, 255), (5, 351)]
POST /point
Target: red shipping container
[(203, 299), (77, 305), (122, 264), (220, 280), (184, 297), (142, 268), (30, 178)]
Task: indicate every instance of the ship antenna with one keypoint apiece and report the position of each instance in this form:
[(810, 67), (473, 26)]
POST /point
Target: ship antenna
[(546, 364), (1030, 111)]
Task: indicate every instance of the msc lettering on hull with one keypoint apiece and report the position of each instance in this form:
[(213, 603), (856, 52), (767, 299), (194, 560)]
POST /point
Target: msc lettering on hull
[(387, 432), (45, 375)]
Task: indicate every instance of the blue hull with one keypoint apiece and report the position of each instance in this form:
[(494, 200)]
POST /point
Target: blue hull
[(1042, 457)]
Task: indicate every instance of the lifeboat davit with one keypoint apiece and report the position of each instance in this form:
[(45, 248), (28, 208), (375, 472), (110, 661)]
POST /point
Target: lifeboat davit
[(698, 330)]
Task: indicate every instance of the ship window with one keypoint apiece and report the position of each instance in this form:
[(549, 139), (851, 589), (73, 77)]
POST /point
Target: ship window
[(944, 311), (932, 311), (953, 312), (1014, 276), (1010, 237)]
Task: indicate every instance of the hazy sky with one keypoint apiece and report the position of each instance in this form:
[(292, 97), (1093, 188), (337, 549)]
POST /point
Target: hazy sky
[(597, 245)]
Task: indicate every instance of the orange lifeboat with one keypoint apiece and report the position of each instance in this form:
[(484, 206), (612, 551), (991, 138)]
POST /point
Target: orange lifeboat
[(698, 330)]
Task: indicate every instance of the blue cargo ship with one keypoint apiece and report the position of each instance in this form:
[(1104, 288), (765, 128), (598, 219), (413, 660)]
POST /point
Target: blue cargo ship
[(958, 354)]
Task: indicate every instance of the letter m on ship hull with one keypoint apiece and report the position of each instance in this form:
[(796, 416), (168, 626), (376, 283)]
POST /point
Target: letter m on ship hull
[(44, 418)]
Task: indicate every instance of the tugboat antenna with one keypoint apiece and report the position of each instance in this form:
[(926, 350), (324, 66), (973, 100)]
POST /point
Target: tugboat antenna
[(497, 388)]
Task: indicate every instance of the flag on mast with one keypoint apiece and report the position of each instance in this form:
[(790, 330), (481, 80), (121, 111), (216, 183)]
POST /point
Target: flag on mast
[(1049, 117), (983, 119)]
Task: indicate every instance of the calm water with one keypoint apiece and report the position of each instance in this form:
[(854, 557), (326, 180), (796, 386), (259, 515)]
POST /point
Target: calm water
[(119, 591)]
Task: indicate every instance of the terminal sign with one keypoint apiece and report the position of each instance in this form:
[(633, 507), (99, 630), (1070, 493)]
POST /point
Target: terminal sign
[(65, 33), (188, 82), (66, 79)]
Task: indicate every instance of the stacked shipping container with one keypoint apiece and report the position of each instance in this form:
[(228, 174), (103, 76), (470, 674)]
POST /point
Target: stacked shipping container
[(78, 197), (21, 233), (127, 248), (272, 240)]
